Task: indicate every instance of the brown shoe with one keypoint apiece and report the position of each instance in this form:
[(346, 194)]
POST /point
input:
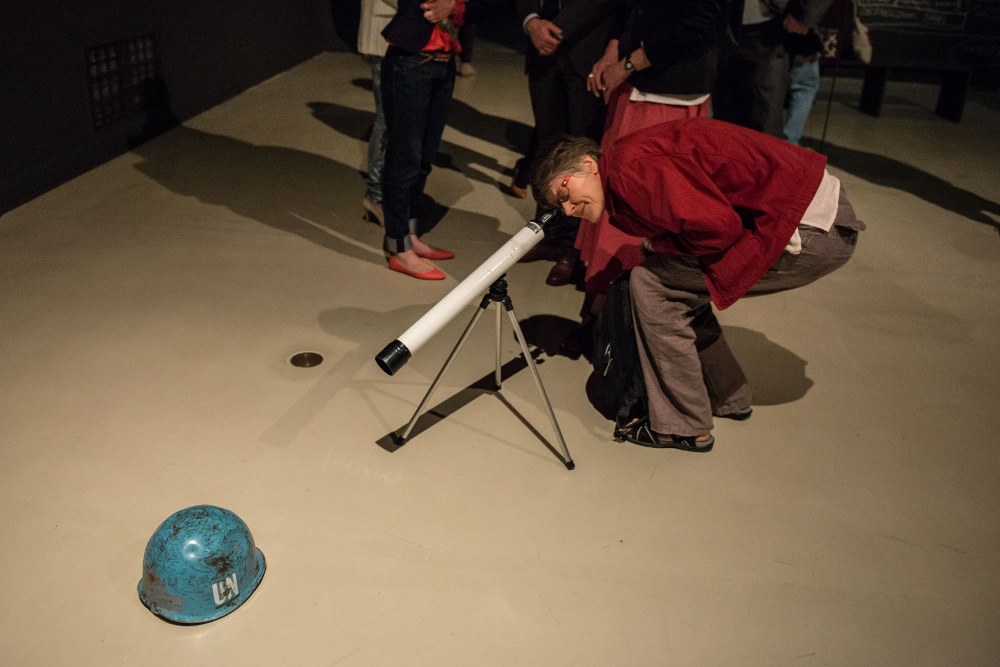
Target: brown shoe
[(562, 272)]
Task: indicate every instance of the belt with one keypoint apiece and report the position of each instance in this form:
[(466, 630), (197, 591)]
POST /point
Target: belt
[(435, 56)]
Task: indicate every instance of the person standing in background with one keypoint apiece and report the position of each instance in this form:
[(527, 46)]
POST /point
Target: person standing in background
[(467, 38), (375, 16), (566, 37), (661, 67), (753, 80), (418, 78), (803, 78)]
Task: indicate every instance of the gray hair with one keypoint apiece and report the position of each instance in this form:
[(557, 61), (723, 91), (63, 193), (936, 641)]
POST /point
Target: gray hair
[(557, 158)]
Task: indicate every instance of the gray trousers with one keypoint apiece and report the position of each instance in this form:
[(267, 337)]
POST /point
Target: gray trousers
[(752, 83), (689, 370)]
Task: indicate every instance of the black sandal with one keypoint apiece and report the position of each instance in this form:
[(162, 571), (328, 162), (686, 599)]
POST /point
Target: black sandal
[(738, 416), (641, 434)]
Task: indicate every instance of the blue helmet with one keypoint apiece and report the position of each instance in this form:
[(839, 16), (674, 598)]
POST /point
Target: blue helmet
[(199, 565)]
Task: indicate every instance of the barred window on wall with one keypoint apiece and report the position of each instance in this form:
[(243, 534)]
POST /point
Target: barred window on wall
[(119, 75)]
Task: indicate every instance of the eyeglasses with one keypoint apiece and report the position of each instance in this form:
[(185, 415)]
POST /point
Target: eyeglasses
[(562, 193)]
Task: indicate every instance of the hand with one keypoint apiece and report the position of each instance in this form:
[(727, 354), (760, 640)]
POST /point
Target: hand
[(436, 11), (545, 35), (794, 25), (595, 80), (613, 77)]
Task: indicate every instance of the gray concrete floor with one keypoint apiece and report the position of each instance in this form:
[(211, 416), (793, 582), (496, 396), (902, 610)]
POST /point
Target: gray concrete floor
[(150, 308)]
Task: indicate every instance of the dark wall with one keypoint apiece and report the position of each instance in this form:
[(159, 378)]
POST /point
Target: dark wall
[(205, 53), (936, 34)]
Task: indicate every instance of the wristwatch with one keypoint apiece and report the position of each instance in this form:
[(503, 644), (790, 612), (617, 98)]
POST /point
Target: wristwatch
[(629, 67)]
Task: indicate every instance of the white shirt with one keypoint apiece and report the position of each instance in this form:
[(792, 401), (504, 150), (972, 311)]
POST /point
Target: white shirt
[(676, 100), (822, 210)]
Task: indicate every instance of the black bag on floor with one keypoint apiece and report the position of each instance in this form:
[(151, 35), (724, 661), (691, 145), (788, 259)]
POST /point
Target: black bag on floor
[(616, 357)]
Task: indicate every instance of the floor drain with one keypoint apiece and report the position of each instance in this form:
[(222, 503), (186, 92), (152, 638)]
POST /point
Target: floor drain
[(306, 359)]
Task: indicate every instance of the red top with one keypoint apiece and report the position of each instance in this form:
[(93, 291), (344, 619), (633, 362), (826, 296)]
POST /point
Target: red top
[(730, 196)]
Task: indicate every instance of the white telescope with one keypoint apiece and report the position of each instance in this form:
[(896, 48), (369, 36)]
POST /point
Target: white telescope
[(394, 355)]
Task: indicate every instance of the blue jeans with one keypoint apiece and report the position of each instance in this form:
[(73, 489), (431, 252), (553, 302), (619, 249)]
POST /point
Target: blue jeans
[(802, 89), (376, 142), (416, 95)]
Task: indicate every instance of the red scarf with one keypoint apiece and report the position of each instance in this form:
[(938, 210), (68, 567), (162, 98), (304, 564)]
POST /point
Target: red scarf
[(445, 35)]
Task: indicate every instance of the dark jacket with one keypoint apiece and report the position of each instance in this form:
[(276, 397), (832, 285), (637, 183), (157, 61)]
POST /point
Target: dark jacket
[(587, 26), (409, 30), (681, 39)]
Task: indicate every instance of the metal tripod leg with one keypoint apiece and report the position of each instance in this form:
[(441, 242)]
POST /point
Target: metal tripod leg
[(499, 337), (458, 346), (529, 360), (567, 459)]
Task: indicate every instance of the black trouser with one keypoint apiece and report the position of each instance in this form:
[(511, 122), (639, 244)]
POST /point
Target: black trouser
[(753, 81)]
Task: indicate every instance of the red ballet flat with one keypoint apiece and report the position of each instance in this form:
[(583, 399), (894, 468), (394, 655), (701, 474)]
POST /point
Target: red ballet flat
[(433, 274), (435, 253)]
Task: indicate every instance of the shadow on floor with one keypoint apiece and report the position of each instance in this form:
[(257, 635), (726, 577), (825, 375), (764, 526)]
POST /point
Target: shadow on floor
[(295, 191), (890, 173), (776, 375), (392, 442), (467, 119), (357, 123), (284, 188)]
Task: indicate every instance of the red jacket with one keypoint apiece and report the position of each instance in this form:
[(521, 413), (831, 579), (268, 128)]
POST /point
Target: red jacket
[(729, 196)]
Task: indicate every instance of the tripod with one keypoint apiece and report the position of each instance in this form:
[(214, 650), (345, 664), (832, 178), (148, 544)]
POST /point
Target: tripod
[(497, 294)]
